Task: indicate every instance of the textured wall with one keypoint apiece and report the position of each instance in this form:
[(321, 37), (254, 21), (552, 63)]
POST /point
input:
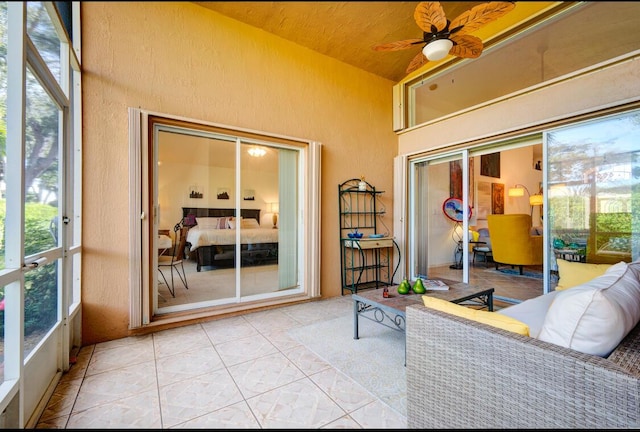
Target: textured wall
[(181, 59)]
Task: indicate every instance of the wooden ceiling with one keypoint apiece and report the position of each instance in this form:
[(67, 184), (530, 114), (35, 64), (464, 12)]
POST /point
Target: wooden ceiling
[(346, 31)]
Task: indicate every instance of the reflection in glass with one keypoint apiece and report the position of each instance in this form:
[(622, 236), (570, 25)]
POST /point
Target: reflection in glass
[(43, 35), (594, 174)]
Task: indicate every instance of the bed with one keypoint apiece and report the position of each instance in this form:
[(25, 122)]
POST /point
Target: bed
[(212, 241)]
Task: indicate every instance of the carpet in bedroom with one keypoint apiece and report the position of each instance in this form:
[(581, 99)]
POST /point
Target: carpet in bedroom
[(375, 360)]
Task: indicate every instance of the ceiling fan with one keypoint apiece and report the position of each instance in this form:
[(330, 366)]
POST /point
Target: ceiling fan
[(442, 37)]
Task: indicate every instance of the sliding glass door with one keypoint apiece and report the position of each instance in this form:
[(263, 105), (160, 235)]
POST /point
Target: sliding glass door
[(224, 193), (450, 198), (227, 221), (438, 217), (593, 190)]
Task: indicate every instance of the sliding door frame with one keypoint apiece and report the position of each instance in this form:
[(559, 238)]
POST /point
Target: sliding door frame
[(464, 153), (144, 218)]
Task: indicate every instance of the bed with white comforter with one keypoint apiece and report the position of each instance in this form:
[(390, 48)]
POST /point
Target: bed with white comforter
[(198, 237), (213, 237)]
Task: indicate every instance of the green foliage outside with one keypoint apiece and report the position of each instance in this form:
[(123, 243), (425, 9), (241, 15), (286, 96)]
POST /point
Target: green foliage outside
[(616, 228), (41, 294)]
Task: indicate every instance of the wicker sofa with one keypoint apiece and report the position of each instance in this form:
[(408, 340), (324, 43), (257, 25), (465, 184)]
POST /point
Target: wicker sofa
[(465, 374)]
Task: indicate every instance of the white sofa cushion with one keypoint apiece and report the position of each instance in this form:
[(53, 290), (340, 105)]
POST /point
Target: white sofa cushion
[(594, 317), (531, 311)]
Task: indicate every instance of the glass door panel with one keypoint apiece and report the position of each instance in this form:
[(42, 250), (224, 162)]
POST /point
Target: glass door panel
[(196, 219), (41, 201), (269, 246), (236, 200), (259, 227), (592, 191), (435, 219)]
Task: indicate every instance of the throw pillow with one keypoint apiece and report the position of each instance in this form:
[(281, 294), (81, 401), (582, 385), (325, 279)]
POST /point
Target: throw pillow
[(207, 222), (249, 223), (485, 317), (233, 221), (594, 317), (223, 222), (575, 273)]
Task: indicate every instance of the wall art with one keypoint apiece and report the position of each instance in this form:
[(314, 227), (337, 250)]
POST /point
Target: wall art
[(490, 165), (497, 198)]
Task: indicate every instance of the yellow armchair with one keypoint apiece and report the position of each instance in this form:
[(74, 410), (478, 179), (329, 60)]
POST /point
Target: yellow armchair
[(512, 242)]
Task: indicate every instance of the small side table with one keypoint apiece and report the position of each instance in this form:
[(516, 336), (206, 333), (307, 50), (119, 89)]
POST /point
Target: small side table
[(458, 253)]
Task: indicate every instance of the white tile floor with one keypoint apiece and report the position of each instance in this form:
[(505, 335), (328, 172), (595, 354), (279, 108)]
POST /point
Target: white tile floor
[(238, 372)]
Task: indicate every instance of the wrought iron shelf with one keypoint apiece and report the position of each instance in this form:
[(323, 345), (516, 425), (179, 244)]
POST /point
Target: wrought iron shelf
[(365, 262)]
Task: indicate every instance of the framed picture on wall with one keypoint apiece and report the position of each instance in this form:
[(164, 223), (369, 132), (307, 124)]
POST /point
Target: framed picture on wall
[(223, 194), (249, 195), (455, 181), (484, 200), (497, 198), (195, 192), (490, 165)]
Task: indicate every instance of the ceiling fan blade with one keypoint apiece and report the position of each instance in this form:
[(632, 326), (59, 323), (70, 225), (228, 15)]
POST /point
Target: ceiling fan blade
[(480, 15), (417, 61), (466, 46), (398, 45), (430, 17)]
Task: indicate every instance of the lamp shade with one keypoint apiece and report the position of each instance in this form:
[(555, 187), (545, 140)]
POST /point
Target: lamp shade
[(516, 192), (437, 50), (535, 200)]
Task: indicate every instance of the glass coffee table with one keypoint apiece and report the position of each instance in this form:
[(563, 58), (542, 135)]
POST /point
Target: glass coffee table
[(390, 311)]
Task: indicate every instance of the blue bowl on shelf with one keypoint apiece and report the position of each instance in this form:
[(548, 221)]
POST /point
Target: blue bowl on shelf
[(354, 235), (376, 235)]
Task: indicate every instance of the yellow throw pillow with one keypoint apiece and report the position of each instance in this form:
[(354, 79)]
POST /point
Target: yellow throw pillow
[(500, 321), (576, 273)]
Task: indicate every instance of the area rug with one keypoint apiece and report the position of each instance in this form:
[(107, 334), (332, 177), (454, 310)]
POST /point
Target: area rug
[(516, 272), (375, 360)]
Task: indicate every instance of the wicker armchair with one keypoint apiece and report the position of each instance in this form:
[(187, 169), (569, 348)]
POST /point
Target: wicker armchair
[(463, 374)]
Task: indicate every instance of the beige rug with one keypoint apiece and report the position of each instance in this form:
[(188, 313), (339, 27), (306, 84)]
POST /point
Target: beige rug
[(375, 360)]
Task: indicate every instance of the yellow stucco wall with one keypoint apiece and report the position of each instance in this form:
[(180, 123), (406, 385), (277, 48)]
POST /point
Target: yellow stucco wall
[(181, 59)]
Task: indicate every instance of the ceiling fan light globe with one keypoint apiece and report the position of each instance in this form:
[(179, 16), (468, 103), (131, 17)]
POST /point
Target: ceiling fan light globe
[(438, 49)]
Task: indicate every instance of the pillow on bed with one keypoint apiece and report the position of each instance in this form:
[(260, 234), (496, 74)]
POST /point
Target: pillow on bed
[(223, 222), (249, 223), (231, 222), (208, 222)]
